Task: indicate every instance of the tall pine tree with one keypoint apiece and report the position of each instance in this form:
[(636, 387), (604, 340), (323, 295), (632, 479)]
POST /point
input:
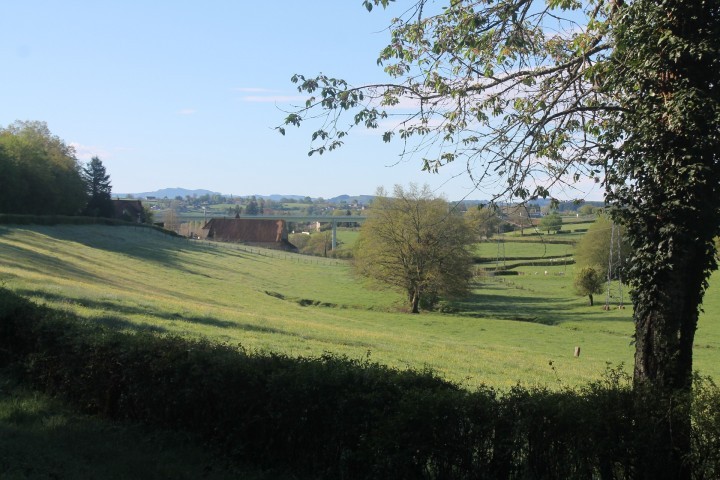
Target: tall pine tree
[(97, 185)]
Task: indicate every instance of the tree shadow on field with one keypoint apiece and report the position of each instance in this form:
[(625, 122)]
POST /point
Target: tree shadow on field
[(115, 318), (494, 301), (139, 242), (529, 308), (147, 245), (119, 323), (33, 261)]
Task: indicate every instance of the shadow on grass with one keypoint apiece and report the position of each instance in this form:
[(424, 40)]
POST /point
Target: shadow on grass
[(139, 242), (36, 262), (117, 320), (156, 247), (118, 323), (493, 301)]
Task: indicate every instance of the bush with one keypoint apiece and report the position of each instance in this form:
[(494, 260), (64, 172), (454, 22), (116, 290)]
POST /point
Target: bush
[(506, 272), (334, 417)]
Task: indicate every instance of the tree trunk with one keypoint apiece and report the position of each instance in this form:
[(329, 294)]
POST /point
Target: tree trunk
[(664, 336), (591, 299), (415, 301), (671, 208)]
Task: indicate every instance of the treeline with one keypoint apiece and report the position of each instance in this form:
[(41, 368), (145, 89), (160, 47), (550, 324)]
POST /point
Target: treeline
[(40, 175), (39, 172), (333, 417)]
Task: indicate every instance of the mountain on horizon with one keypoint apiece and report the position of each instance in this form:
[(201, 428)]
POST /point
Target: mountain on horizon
[(170, 193), (184, 192)]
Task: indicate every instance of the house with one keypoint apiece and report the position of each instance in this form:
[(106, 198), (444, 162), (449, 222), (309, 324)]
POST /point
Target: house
[(249, 231), (128, 210)]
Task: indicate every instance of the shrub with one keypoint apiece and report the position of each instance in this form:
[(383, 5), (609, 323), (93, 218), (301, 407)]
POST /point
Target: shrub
[(334, 417)]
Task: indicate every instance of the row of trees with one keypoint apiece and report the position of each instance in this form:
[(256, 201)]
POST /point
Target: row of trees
[(40, 175)]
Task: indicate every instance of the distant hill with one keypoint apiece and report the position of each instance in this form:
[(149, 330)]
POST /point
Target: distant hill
[(362, 199), (184, 192), (169, 193), (276, 198)]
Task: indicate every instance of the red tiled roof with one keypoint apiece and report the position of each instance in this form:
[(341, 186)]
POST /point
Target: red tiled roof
[(246, 230)]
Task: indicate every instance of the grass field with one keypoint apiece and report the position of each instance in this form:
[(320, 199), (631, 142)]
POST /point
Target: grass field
[(500, 248), (509, 330)]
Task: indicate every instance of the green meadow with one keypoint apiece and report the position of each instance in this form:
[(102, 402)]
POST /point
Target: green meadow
[(503, 248), (512, 329)]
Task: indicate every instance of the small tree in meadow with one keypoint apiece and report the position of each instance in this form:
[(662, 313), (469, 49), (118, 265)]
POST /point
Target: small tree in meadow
[(588, 282), (551, 223)]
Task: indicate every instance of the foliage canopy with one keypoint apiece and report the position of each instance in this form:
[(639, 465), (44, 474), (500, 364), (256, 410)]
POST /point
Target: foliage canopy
[(98, 188), (588, 281), (39, 173), (416, 243), (484, 221), (593, 248), (551, 223)]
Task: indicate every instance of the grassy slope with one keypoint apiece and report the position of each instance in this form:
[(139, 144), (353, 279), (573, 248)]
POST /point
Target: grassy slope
[(508, 331)]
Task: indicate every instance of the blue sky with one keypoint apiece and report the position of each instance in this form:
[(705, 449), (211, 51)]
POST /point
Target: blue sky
[(187, 94)]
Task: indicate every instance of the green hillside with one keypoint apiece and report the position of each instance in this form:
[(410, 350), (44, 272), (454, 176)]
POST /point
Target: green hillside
[(509, 330)]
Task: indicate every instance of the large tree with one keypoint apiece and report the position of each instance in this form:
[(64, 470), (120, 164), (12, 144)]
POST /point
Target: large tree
[(414, 242), (484, 221), (604, 247), (252, 207), (98, 188), (541, 93)]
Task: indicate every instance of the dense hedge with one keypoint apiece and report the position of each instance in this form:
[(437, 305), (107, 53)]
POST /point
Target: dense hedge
[(333, 417)]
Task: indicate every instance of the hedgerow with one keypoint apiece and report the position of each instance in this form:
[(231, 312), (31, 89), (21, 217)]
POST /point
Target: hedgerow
[(336, 417)]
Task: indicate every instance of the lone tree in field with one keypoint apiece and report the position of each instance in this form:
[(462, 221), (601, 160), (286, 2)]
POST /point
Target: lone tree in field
[(551, 223), (588, 281), (98, 188), (414, 242)]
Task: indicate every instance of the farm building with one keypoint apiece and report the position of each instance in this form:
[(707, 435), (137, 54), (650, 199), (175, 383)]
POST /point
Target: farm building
[(250, 231), (128, 210)]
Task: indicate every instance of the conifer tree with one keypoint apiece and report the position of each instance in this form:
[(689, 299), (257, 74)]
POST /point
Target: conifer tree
[(98, 188)]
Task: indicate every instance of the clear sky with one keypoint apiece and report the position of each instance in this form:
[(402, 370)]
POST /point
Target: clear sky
[(187, 93)]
